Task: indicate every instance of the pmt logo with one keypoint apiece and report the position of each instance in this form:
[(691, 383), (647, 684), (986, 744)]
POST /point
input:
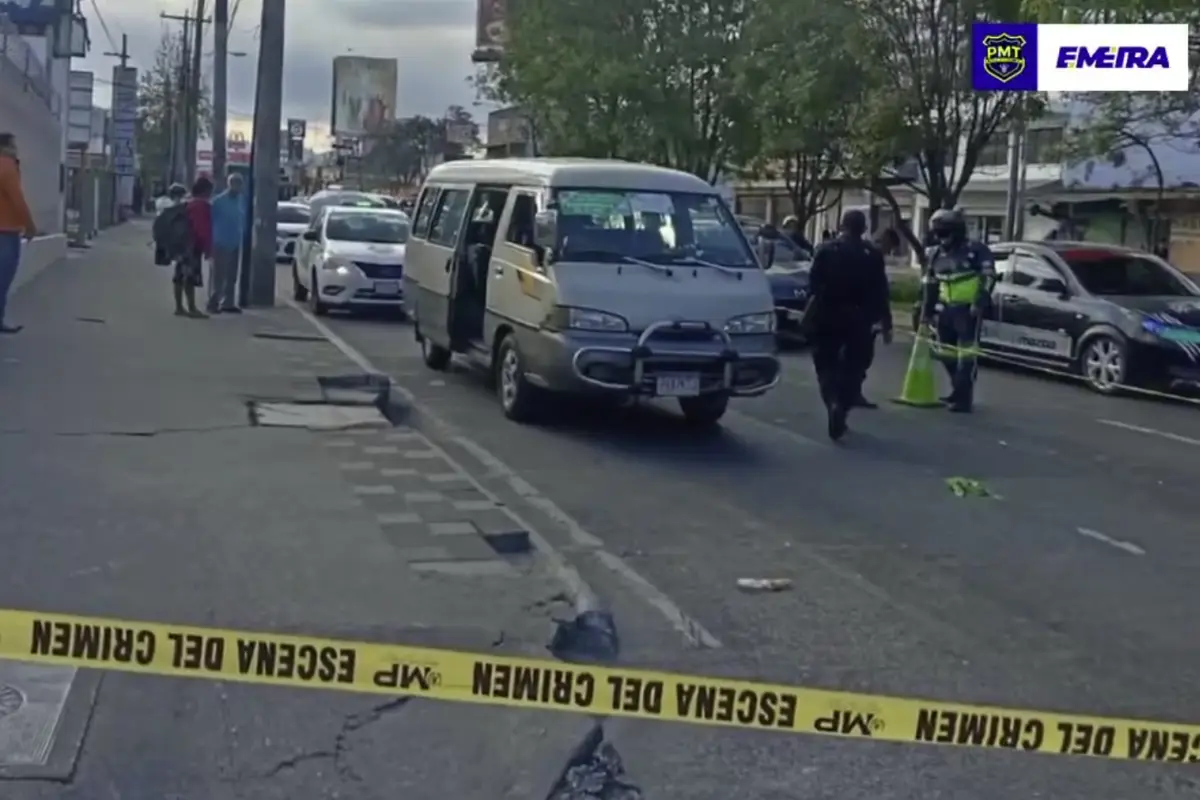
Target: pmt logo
[(1107, 57)]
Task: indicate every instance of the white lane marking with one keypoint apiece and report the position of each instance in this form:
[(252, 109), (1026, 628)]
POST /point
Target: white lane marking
[(1128, 547), (585, 597), (1174, 437)]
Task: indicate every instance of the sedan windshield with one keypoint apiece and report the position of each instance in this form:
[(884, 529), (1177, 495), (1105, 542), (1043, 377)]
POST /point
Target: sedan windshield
[(366, 227), (658, 227), (293, 215), (1108, 273)]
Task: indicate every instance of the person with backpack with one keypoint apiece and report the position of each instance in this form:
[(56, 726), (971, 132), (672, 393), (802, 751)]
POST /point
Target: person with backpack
[(184, 232), (166, 251)]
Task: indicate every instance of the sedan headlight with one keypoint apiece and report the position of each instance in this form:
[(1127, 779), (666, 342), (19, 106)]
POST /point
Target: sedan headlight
[(751, 324), (337, 264), (588, 319)]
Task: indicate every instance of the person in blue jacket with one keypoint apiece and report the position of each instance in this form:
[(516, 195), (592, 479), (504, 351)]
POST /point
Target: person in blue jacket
[(229, 226)]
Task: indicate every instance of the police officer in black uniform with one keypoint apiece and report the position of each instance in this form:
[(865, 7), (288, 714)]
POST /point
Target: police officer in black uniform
[(849, 298), (957, 284)]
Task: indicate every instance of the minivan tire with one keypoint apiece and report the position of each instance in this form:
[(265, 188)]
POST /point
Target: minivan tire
[(704, 411), (520, 400), (434, 355)]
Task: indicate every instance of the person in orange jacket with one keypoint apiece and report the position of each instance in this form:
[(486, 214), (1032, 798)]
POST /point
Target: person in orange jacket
[(16, 222)]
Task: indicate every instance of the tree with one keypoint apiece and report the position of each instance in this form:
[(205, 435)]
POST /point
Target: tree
[(799, 113), (412, 145), (918, 122), (160, 104), (648, 80)]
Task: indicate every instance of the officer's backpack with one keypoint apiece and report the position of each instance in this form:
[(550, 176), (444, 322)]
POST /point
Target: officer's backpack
[(171, 231)]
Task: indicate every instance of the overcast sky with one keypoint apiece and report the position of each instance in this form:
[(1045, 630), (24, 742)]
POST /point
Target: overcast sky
[(431, 39)]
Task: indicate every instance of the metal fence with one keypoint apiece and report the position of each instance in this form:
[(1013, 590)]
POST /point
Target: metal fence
[(17, 57)]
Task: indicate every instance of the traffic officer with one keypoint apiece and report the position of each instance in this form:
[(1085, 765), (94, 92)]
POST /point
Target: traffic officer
[(957, 284), (849, 300)]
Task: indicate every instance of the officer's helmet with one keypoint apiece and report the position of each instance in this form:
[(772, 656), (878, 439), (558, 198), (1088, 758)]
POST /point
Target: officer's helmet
[(948, 225)]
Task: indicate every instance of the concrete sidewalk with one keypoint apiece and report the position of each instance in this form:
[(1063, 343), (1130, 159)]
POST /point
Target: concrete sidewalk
[(135, 485)]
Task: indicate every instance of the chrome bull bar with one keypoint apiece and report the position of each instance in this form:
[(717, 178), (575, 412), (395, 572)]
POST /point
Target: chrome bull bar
[(642, 352)]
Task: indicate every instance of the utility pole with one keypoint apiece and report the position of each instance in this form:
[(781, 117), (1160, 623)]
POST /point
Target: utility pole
[(196, 85), (123, 56), (220, 109), (1016, 144), (268, 119), (186, 126)]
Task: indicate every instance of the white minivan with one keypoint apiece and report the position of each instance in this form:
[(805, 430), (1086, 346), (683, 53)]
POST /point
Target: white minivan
[(582, 276)]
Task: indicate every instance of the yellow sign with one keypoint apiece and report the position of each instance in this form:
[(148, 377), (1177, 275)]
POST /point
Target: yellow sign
[(297, 661)]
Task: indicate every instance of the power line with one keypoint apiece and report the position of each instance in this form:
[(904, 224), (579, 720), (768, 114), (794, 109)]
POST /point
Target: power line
[(104, 26)]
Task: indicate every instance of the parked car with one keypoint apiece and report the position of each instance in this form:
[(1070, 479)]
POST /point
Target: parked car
[(292, 220), (354, 258), (342, 197), (1112, 315), (788, 276)]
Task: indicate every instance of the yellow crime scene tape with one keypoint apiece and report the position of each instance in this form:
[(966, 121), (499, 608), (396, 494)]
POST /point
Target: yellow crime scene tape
[(1045, 366), (453, 676)]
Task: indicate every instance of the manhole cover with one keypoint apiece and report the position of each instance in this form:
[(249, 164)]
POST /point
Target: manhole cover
[(11, 700)]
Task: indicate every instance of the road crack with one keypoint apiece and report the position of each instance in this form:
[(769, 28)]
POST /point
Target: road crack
[(342, 744)]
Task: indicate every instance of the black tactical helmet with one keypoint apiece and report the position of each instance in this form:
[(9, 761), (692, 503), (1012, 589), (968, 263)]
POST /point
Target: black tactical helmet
[(948, 224)]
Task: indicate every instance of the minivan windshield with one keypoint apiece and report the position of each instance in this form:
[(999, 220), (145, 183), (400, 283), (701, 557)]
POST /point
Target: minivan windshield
[(660, 227), (1108, 273), (386, 228)]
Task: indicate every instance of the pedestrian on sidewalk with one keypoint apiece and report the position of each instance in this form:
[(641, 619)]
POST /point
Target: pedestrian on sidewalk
[(16, 222), (228, 228), (189, 270)]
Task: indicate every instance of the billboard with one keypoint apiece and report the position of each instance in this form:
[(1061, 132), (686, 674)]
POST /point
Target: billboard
[(79, 110), (491, 29), (364, 95)]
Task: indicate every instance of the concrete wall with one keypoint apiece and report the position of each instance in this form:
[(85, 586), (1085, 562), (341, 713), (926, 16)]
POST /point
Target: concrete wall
[(26, 112)]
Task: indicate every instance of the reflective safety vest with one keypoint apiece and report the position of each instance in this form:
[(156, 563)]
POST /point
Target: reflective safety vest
[(959, 288)]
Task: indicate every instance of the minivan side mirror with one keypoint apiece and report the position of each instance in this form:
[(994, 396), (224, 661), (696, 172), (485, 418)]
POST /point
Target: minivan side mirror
[(545, 230), (312, 236)]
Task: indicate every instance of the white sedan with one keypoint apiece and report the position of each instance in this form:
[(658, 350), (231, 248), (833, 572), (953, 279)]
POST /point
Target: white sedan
[(292, 221), (352, 258)]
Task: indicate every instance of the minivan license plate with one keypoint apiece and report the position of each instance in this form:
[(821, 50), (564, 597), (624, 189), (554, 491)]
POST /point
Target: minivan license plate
[(387, 288), (678, 386)]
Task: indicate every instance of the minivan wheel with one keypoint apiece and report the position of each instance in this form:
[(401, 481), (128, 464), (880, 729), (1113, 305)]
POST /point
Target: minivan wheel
[(704, 411), (519, 400), (314, 296), (299, 293), (1104, 364), (434, 355)]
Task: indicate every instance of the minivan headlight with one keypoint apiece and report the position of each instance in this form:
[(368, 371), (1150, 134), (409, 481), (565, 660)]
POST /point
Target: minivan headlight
[(588, 319), (751, 323)]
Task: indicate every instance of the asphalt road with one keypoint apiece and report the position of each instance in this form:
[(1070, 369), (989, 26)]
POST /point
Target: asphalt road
[(1071, 588)]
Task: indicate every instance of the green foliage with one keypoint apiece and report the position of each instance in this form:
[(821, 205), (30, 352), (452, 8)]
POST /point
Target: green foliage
[(904, 288), (646, 80), (796, 71), (161, 102)]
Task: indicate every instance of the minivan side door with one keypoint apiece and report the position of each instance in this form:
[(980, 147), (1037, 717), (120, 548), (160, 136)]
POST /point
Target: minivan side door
[(436, 251), (519, 289)]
